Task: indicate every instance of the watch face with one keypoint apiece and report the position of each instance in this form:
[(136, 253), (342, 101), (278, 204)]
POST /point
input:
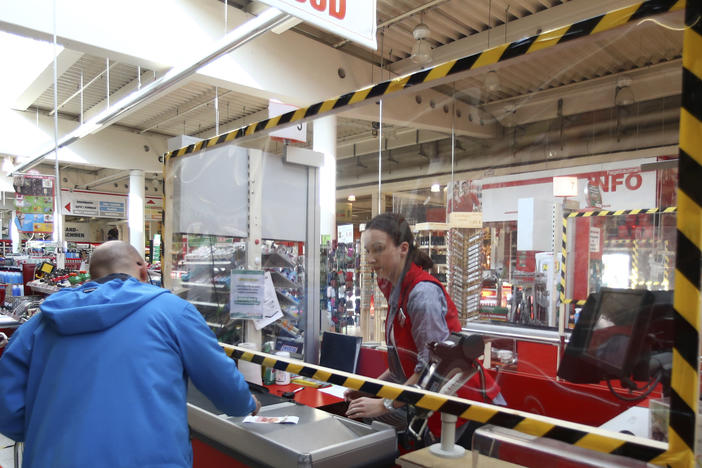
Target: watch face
[(388, 404)]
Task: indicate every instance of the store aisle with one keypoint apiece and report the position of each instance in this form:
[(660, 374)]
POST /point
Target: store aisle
[(7, 457)]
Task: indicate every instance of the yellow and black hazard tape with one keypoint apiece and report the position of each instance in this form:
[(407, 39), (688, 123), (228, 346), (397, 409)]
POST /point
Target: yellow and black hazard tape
[(634, 277), (629, 241), (578, 302), (540, 426), (595, 213), (451, 68), (685, 386)]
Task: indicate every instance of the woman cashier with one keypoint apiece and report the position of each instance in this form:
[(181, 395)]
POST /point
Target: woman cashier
[(420, 311)]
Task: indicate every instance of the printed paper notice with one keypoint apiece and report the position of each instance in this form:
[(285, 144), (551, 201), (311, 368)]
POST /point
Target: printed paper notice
[(246, 299), (271, 306)]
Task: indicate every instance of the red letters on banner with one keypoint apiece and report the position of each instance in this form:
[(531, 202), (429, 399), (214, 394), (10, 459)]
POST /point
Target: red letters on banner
[(337, 8)]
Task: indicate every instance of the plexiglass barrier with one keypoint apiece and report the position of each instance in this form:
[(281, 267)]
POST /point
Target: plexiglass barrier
[(540, 178)]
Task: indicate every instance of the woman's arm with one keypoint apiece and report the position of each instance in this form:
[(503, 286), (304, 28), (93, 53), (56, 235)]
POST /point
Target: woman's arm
[(366, 407), (426, 307)]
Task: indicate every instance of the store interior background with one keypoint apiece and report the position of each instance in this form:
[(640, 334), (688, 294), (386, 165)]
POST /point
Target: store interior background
[(607, 102)]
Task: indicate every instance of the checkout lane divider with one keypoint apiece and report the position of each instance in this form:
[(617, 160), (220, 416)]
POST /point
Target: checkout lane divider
[(536, 425)]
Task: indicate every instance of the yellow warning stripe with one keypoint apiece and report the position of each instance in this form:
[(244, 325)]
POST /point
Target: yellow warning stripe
[(548, 39), (541, 426), (684, 398), (587, 214), (616, 18)]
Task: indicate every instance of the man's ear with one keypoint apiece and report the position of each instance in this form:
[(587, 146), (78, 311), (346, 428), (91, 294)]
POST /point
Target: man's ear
[(143, 271)]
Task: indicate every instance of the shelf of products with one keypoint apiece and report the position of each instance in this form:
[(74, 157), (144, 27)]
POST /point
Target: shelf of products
[(431, 239), (202, 276), (341, 291), (465, 270)]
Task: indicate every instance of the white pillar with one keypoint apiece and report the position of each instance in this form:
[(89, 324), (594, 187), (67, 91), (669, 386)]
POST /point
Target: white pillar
[(14, 233), (135, 216), (325, 142)]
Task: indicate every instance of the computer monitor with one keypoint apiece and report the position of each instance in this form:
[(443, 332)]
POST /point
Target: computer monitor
[(610, 336), (340, 351)]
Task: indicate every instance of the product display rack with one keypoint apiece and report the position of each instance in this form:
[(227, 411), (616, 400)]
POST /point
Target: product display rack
[(202, 276), (342, 290), (465, 251), (286, 273), (431, 238), (374, 307)]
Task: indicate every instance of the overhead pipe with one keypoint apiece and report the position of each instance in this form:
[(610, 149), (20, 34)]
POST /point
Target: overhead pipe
[(253, 28)]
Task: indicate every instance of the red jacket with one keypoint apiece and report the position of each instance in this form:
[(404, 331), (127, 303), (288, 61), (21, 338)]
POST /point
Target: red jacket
[(402, 332)]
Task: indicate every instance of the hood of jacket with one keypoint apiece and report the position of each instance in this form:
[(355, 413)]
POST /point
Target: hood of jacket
[(96, 306)]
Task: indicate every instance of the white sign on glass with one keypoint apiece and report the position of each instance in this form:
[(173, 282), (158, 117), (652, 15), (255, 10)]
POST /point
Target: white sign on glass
[(344, 233), (352, 19), (246, 295)]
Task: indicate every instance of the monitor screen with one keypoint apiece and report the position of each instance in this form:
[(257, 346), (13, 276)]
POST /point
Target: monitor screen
[(609, 336), (340, 351), (612, 331)]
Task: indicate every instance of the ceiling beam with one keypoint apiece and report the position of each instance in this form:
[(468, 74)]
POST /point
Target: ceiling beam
[(288, 66), (647, 83), (64, 60), (545, 20)]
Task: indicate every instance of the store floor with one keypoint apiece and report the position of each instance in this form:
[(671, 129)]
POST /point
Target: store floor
[(7, 453)]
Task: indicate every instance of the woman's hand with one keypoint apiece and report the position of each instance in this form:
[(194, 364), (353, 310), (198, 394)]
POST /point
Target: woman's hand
[(365, 407), (353, 394)]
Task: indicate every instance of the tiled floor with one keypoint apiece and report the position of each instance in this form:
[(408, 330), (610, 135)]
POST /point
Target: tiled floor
[(7, 454)]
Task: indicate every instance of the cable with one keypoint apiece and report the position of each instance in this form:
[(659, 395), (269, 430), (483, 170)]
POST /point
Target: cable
[(652, 386), (483, 390)]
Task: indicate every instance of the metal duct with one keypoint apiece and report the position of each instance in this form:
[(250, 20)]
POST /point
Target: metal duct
[(236, 38)]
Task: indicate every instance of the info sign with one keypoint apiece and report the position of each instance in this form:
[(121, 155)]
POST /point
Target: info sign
[(352, 19)]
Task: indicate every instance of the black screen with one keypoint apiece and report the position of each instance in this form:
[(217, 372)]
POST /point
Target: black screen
[(340, 351), (609, 336), (611, 333)]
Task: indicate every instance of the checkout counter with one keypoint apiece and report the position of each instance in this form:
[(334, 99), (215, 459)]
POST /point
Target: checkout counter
[(319, 439)]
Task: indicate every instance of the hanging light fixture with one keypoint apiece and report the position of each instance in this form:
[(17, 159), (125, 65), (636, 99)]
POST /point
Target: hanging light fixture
[(492, 81), (623, 94), (351, 198), (421, 51), (435, 188)]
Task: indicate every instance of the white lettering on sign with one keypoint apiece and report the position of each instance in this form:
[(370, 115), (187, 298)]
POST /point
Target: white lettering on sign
[(353, 19)]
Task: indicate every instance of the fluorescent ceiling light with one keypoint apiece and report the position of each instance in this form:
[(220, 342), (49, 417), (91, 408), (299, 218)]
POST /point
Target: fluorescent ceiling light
[(351, 197), (25, 60), (436, 188)]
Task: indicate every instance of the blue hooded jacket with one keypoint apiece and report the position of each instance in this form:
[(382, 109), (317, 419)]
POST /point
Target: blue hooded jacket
[(99, 378)]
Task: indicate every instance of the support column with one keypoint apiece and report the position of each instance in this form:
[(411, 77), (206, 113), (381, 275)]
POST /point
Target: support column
[(14, 233), (374, 203), (325, 142), (135, 216)]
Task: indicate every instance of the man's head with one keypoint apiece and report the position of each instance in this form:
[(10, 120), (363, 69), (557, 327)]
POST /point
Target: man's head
[(117, 257)]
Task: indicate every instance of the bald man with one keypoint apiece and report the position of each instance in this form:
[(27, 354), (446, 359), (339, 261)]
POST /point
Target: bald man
[(99, 376)]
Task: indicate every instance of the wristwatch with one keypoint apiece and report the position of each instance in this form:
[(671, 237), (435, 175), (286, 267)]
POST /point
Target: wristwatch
[(388, 404)]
